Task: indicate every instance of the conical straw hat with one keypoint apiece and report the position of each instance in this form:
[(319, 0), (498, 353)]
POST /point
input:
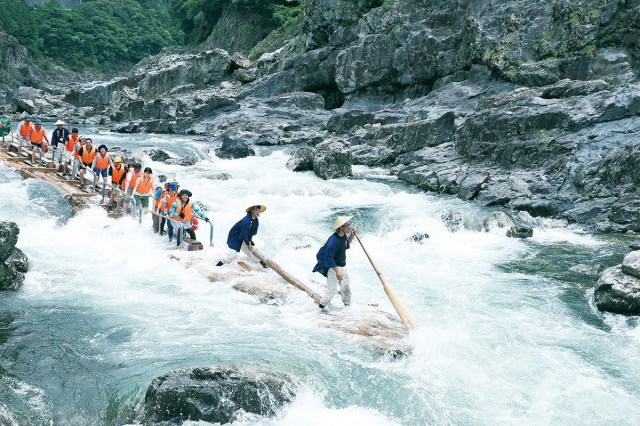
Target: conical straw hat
[(341, 220), (262, 208)]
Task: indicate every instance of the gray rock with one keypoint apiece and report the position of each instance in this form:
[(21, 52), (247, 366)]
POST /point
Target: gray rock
[(8, 238), (635, 245), (498, 220), (301, 160), (233, 146), (520, 232), (452, 219), (186, 161), (216, 394), (342, 122), (631, 263), (618, 292), (591, 271), (417, 237), (470, 186), (159, 155), (332, 159), (10, 279), (18, 261)]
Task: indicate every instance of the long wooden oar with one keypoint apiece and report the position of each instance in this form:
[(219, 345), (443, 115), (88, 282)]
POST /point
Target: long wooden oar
[(393, 297), (287, 277)]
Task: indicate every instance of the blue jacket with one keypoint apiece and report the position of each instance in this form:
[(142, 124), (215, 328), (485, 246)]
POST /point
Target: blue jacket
[(55, 136), (326, 255), (242, 231)]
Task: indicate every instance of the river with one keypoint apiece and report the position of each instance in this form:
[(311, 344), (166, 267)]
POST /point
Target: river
[(506, 333)]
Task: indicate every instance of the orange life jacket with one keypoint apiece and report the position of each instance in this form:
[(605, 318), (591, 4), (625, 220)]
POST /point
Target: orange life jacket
[(132, 183), (88, 155), (183, 209), (37, 135), (71, 142), (116, 174), (24, 129), (171, 199), (144, 186), (102, 162), (78, 145)]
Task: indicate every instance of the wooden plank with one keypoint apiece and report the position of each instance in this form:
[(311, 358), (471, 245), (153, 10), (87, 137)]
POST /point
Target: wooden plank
[(40, 169)]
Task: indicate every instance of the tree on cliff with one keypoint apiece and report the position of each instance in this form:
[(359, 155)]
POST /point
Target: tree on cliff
[(197, 18)]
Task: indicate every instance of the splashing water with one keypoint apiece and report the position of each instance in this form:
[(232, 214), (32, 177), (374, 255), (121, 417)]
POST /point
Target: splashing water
[(506, 335)]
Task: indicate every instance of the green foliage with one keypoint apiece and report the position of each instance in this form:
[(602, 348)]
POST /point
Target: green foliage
[(16, 19), (105, 35), (198, 17)]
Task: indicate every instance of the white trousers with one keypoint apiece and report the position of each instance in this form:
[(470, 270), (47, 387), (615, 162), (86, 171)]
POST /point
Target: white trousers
[(332, 287), (232, 254)]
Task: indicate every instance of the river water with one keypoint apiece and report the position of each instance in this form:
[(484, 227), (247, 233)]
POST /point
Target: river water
[(506, 333)]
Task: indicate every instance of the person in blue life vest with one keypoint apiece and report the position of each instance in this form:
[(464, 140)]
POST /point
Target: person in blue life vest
[(241, 235), (332, 261)]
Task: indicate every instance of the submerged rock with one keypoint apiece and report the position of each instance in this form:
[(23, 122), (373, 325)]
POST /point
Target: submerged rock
[(217, 394), (452, 220), (591, 271), (418, 237), (520, 232)]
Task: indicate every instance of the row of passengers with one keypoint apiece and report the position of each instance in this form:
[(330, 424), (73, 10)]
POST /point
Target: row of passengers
[(176, 209)]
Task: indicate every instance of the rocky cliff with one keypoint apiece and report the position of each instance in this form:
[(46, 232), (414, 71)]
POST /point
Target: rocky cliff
[(531, 105)]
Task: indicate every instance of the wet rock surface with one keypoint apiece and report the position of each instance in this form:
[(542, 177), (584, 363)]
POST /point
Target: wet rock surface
[(13, 262), (216, 394), (618, 292)]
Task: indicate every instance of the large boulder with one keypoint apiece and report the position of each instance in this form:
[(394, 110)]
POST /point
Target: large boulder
[(301, 160), (618, 292), (216, 394), (8, 238), (13, 262), (234, 146), (332, 159)]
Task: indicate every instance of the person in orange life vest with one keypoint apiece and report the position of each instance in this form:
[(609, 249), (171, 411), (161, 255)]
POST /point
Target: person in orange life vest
[(128, 183), (58, 137), (157, 201), (24, 128), (36, 135), (101, 165), (76, 158), (241, 235), (116, 171), (181, 213), (68, 148), (166, 201), (86, 154), (143, 189)]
